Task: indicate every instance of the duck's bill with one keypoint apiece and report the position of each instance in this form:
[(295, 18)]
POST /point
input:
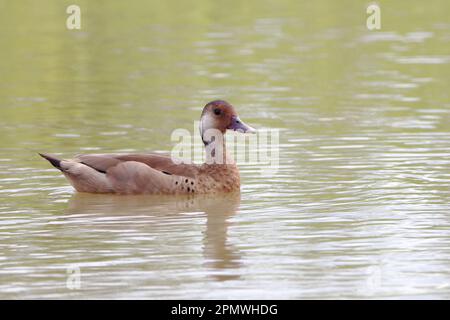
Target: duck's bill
[(238, 125)]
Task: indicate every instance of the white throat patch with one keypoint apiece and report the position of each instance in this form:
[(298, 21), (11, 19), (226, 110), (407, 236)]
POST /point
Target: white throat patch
[(206, 122)]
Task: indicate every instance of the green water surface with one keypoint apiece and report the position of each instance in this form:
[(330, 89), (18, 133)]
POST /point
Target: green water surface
[(358, 208)]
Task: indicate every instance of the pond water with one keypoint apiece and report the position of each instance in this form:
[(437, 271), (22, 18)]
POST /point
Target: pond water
[(358, 208)]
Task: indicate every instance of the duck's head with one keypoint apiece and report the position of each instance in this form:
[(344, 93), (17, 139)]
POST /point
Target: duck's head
[(220, 115)]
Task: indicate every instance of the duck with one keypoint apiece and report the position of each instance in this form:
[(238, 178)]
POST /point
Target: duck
[(152, 173)]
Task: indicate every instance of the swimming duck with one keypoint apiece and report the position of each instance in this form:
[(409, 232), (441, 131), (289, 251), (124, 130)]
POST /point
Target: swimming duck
[(161, 174)]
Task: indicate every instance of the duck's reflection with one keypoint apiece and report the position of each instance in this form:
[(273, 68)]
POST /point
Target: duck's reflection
[(220, 257)]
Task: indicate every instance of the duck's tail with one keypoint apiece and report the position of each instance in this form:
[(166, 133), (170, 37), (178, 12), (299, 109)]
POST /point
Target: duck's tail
[(54, 161), (82, 177)]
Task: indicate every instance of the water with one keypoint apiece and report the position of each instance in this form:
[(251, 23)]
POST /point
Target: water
[(359, 207)]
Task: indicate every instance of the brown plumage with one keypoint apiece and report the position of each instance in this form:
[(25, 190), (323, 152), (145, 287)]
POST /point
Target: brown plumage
[(160, 174)]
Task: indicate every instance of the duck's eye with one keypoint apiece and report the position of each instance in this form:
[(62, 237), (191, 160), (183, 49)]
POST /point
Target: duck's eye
[(217, 111)]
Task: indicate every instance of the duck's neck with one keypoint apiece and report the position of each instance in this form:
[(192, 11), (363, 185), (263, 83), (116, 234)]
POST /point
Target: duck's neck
[(216, 152)]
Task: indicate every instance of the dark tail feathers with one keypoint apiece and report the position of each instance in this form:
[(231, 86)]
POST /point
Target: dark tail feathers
[(55, 162)]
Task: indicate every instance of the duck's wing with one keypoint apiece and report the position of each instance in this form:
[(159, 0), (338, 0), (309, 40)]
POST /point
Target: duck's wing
[(163, 163), (128, 174)]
